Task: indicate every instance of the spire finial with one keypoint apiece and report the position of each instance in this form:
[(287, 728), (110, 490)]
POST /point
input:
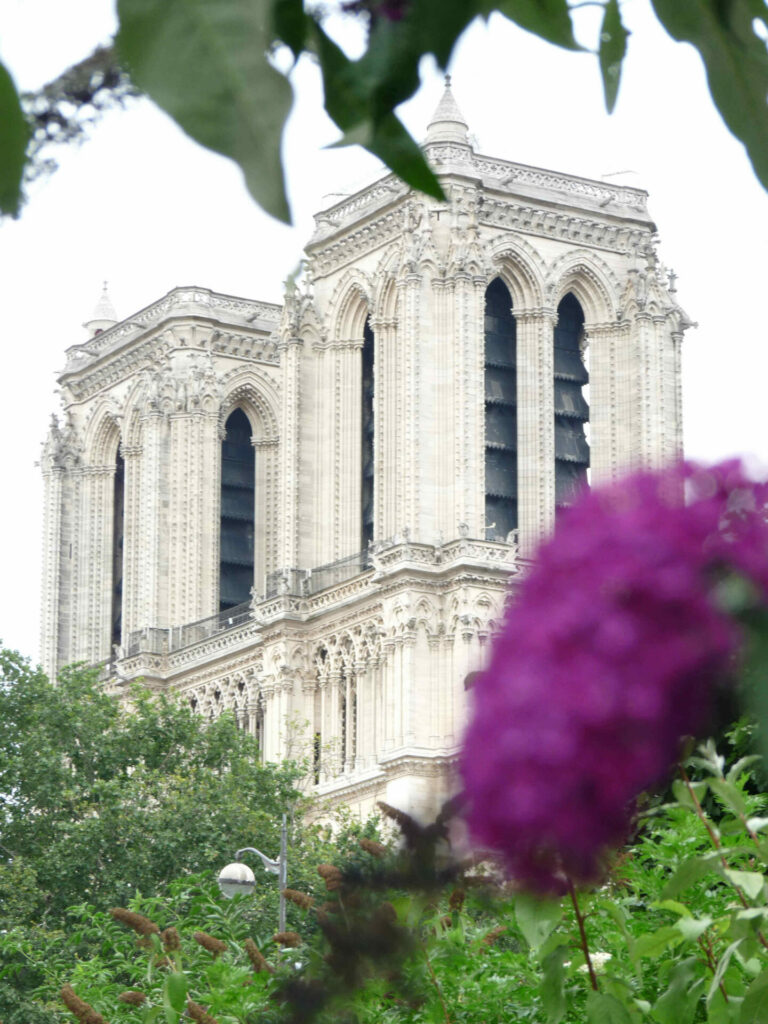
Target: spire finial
[(447, 123)]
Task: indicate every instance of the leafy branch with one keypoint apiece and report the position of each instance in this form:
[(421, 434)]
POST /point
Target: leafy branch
[(210, 64)]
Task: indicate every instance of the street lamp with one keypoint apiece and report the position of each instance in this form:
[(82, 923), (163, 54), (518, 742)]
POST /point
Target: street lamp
[(238, 878)]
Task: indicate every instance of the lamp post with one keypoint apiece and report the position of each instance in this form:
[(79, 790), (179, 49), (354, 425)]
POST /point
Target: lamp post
[(238, 878)]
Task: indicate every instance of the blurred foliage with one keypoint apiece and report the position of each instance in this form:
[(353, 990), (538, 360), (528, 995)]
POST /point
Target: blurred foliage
[(411, 933), (211, 65)]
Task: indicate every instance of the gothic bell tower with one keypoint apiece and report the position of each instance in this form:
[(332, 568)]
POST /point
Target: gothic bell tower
[(312, 515)]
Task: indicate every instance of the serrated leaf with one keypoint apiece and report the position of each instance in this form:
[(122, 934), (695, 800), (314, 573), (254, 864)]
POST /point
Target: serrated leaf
[(611, 52), (750, 882), (735, 771), (754, 1009), (736, 63), (536, 918), (548, 19), (175, 987), (206, 65), (606, 1009), (553, 985), (14, 136), (691, 928), (728, 795)]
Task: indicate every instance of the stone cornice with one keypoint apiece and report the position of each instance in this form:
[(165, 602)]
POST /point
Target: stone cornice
[(87, 379)]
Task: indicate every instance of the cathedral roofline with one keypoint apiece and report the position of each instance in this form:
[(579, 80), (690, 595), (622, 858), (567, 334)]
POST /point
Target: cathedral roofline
[(452, 160)]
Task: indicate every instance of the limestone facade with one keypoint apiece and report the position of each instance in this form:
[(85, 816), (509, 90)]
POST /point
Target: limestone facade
[(366, 615)]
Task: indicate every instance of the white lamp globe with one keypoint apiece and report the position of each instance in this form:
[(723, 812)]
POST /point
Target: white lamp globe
[(236, 879)]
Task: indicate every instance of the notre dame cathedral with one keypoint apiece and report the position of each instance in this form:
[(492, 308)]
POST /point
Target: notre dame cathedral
[(311, 514)]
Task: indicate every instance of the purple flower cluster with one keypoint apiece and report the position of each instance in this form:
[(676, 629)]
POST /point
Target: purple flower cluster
[(612, 650)]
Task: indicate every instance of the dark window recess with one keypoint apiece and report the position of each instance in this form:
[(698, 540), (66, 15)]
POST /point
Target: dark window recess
[(118, 520), (237, 512), (500, 413), (571, 409), (366, 490)]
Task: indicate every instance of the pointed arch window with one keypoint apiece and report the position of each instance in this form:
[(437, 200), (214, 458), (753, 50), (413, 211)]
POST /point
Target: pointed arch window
[(238, 492), (118, 533), (500, 413), (366, 453), (571, 408)]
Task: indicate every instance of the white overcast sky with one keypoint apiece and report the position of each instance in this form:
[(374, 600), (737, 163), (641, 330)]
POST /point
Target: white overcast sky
[(146, 209)]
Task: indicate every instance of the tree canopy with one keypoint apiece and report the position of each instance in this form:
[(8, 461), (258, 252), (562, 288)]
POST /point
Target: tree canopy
[(211, 65), (98, 803)]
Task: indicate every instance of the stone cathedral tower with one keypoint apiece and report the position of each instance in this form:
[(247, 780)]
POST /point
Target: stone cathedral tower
[(310, 514)]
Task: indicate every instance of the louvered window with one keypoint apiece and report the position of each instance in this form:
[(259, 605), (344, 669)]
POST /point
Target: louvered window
[(118, 520), (366, 495), (571, 408), (237, 512), (500, 413)]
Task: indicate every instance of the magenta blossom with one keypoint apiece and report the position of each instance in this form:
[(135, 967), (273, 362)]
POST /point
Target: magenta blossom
[(612, 650)]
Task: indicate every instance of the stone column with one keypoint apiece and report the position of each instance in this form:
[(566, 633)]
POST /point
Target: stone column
[(133, 556), (93, 639), (195, 455), (56, 545), (535, 425), (288, 541)]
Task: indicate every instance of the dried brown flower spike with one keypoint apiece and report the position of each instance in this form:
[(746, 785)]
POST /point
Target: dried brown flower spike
[(171, 940), (209, 942), (140, 924), (291, 939), (84, 1012), (331, 875), (299, 898), (132, 997), (456, 900), (371, 846), (256, 957), (196, 1012)]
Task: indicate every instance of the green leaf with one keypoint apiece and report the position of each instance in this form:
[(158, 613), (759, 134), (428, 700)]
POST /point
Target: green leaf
[(728, 795), (683, 796), (750, 882), (536, 918), (548, 19), (754, 1009), (674, 906), (553, 985), (691, 928), (688, 872), (736, 63), (14, 135), (290, 24), (175, 990), (348, 100), (652, 944), (206, 65), (677, 1005), (611, 53), (736, 770), (722, 967), (606, 1009)]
